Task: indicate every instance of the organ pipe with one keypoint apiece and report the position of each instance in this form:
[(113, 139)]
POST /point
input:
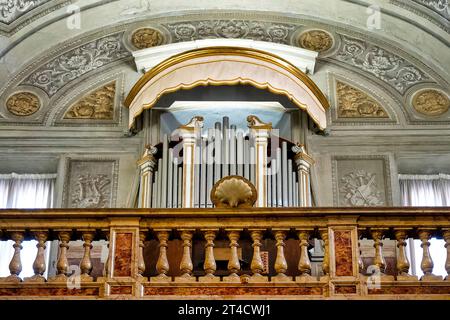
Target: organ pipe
[(282, 180)]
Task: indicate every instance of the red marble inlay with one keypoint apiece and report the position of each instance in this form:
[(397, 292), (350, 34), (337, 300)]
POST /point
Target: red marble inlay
[(411, 290), (227, 291), (49, 292), (343, 252), (121, 290), (123, 255), (345, 290)]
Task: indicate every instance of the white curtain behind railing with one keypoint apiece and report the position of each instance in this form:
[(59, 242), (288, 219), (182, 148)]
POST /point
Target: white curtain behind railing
[(433, 191), (24, 191)]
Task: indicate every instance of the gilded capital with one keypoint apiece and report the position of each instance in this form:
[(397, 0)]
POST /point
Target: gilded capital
[(255, 123)]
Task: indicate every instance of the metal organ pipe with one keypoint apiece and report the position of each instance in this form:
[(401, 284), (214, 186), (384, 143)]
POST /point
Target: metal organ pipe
[(224, 151)]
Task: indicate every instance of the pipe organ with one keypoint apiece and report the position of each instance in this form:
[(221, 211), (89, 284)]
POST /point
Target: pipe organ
[(181, 171)]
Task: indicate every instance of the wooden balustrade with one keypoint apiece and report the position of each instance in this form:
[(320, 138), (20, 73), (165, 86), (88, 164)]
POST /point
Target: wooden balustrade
[(180, 233)]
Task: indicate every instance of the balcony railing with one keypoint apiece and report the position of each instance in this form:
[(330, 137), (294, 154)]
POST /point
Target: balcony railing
[(171, 253)]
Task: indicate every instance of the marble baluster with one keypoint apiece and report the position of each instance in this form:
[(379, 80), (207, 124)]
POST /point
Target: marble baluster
[(402, 260), (162, 265), (209, 264), (427, 264), (280, 261), (304, 263), (15, 266), (233, 264), (186, 265), (257, 265), (86, 262), (379, 262), (39, 263), (62, 266), (141, 260)]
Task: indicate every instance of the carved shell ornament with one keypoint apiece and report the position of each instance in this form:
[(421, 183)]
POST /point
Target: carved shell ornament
[(233, 192)]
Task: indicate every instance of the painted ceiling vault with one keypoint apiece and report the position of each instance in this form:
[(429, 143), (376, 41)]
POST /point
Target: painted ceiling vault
[(69, 63)]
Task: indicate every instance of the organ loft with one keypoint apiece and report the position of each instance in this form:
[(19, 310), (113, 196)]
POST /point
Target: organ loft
[(224, 151)]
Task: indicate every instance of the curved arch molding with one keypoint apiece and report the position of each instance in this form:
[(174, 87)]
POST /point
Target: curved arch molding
[(228, 66)]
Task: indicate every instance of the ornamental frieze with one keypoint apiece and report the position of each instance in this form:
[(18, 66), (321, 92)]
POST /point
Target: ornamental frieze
[(383, 64), (60, 71), (11, 10), (231, 29)]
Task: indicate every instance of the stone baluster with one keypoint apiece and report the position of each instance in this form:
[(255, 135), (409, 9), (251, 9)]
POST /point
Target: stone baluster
[(402, 260), (446, 235), (326, 254), (39, 263), (304, 264), (379, 262), (62, 266), (280, 261), (233, 263), (15, 266), (427, 263), (186, 265), (141, 261), (162, 265), (256, 265), (86, 263), (210, 263)]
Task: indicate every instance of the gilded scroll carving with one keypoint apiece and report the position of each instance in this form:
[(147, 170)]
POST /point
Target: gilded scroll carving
[(316, 40), (23, 104), (354, 103), (431, 103), (146, 38), (96, 105)]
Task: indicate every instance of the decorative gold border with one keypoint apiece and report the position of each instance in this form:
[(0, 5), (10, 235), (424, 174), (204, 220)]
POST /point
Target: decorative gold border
[(227, 51)]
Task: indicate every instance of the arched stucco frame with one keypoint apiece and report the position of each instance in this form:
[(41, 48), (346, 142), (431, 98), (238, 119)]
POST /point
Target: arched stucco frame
[(228, 66)]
